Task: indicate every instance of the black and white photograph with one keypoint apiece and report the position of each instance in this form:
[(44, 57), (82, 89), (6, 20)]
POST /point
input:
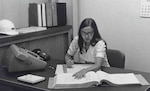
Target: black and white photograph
[(74, 45)]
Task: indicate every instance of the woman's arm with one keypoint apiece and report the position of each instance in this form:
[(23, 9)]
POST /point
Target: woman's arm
[(71, 51), (69, 60), (95, 67)]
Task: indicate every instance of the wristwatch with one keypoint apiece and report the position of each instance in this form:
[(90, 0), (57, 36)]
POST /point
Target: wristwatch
[(69, 56)]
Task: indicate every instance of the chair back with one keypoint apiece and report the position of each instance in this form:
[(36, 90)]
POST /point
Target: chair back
[(116, 58)]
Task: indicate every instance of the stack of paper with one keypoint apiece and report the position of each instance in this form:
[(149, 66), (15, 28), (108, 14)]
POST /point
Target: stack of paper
[(29, 78), (31, 29)]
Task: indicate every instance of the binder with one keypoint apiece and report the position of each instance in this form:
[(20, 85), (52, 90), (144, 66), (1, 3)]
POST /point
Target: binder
[(59, 14), (49, 14), (35, 18), (54, 14), (43, 15), (39, 14)]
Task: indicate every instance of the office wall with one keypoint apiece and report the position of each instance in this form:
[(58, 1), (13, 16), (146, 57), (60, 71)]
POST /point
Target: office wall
[(16, 11), (121, 26), (75, 16)]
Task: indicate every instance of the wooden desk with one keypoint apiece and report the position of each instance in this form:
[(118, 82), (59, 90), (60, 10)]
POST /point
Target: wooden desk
[(10, 79), (53, 41)]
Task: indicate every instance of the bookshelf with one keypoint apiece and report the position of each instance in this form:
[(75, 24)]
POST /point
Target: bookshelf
[(54, 41)]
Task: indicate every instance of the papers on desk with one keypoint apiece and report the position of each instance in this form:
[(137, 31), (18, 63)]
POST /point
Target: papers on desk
[(59, 69), (64, 79), (142, 80), (30, 78), (75, 68), (31, 29)]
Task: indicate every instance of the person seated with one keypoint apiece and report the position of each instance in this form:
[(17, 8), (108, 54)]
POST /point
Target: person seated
[(91, 47)]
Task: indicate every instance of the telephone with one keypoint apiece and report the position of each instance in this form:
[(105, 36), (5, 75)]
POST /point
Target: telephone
[(145, 8), (20, 59)]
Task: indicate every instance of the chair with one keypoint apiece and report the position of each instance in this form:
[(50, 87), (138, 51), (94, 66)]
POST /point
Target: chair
[(116, 58)]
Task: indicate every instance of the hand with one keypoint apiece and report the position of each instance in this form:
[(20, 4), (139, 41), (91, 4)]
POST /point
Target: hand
[(80, 74), (69, 62)]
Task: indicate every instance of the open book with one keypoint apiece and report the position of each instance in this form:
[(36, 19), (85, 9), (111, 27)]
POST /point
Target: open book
[(66, 80)]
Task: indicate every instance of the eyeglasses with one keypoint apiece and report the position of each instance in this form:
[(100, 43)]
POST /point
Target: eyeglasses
[(88, 33)]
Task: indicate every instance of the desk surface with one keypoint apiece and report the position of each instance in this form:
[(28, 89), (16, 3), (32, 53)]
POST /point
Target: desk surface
[(10, 79)]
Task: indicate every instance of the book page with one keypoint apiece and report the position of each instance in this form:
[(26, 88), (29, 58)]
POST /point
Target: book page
[(91, 76), (127, 78), (67, 78), (77, 67), (142, 80), (59, 69), (102, 75), (118, 78)]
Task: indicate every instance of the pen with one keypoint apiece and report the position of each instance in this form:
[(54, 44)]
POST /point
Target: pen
[(51, 67)]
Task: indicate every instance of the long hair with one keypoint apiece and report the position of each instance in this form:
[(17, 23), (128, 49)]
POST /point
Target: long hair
[(96, 37)]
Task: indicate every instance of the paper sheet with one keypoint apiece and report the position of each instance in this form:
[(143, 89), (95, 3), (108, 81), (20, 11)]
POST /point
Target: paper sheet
[(75, 68), (59, 69), (142, 80), (31, 29)]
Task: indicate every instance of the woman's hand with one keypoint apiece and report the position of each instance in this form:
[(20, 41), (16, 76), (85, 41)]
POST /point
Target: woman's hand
[(69, 62), (80, 74)]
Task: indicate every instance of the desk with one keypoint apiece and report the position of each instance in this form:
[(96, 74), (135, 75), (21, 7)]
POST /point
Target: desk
[(10, 79)]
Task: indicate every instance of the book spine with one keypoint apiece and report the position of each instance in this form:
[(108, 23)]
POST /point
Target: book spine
[(33, 17), (39, 15), (54, 14), (43, 15), (61, 14), (49, 14)]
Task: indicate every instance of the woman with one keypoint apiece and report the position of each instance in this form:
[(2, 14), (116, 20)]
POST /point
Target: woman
[(91, 47)]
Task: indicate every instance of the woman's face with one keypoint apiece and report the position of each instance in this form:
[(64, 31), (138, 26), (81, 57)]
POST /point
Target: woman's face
[(87, 33)]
